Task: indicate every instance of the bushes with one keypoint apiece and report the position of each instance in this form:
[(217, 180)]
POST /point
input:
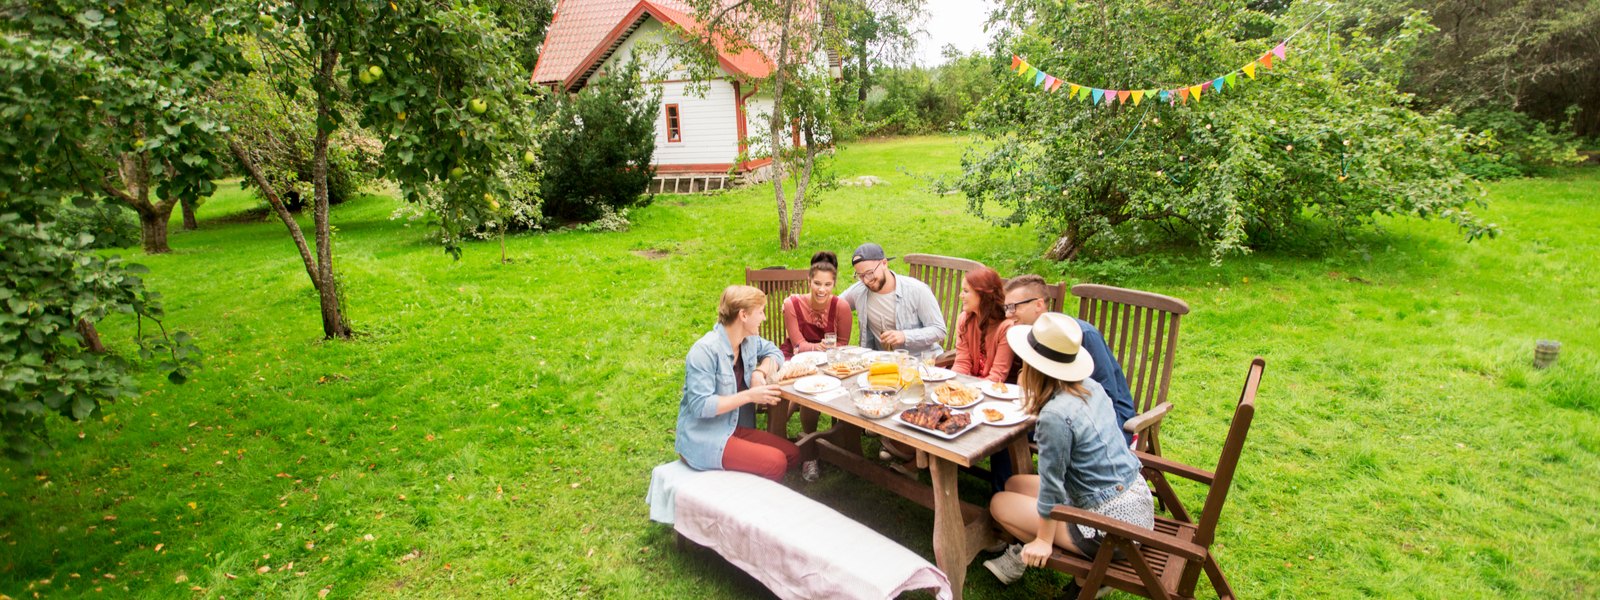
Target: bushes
[(598, 147), (1512, 144), (112, 224)]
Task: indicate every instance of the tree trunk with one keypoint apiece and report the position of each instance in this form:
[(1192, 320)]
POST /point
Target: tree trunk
[(333, 322), (91, 337), (861, 77), (1067, 246), (189, 222), (775, 124), (254, 171), (153, 228)]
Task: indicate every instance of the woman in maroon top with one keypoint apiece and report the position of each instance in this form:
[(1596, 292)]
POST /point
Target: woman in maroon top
[(981, 346), (808, 317)]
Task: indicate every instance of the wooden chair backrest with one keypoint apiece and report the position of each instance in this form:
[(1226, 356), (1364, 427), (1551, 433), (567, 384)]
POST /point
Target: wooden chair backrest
[(1232, 447), (778, 283), (1055, 294), (943, 274), (1141, 329)]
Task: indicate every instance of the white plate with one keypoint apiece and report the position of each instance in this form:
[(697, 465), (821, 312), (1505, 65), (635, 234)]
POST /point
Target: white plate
[(975, 399), (816, 384), (1013, 413), (1012, 391), (813, 357), (937, 374), (940, 434)]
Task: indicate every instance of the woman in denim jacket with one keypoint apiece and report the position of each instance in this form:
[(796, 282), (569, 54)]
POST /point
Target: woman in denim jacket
[(728, 368), (1083, 460)]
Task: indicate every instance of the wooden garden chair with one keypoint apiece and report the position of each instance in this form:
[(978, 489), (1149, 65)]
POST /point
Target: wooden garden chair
[(1141, 330), (943, 274), (778, 283), (1167, 562)]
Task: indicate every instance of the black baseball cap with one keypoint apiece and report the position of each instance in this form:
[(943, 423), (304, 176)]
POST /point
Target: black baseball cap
[(868, 251)]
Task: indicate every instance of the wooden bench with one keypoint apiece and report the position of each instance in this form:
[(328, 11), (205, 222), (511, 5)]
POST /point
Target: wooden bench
[(792, 544)]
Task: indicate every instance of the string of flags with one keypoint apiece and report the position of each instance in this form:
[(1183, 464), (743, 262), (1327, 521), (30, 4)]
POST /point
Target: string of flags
[(1183, 94)]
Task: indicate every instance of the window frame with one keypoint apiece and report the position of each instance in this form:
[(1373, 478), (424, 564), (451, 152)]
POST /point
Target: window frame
[(674, 118)]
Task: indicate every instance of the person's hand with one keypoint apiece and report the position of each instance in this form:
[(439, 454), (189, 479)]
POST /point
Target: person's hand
[(765, 395), (758, 378), (1036, 552), (892, 338)]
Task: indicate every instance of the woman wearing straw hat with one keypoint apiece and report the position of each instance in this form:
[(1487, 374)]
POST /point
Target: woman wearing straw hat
[(1083, 460)]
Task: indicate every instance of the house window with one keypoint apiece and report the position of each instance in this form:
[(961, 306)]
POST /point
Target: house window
[(674, 125)]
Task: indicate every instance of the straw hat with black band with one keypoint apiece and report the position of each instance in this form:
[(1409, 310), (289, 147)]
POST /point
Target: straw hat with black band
[(1053, 345)]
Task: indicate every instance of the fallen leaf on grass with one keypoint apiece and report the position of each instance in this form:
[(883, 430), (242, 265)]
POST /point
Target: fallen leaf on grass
[(323, 593), (160, 546), (368, 537), (410, 556), (231, 576), (193, 506), (263, 570)]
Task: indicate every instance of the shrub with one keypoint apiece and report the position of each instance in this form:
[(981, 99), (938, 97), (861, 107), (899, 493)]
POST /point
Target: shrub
[(598, 148), (112, 224), (1513, 144)]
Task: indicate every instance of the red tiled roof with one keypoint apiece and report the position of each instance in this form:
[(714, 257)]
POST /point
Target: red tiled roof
[(585, 32)]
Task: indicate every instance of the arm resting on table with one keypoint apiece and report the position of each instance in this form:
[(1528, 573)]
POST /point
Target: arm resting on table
[(1076, 516), (1151, 461)]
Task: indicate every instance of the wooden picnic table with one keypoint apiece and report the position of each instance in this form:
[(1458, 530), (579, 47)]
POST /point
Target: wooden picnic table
[(960, 530)]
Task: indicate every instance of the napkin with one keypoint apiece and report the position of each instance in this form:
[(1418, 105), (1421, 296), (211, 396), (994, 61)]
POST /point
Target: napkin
[(830, 396)]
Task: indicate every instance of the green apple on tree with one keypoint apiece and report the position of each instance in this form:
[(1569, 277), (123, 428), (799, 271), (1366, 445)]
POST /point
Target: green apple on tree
[(477, 105)]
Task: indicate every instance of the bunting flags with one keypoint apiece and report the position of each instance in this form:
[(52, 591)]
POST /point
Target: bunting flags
[(1096, 96)]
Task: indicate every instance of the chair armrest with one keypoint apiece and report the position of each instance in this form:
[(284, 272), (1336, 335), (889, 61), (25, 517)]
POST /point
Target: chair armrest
[(945, 360), (1147, 419), (1151, 461), (1073, 515)]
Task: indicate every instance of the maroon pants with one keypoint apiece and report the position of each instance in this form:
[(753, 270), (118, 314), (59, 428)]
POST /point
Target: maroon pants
[(759, 452)]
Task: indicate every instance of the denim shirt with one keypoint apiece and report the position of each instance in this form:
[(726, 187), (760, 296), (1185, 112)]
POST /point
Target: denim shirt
[(1108, 373), (916, 313), (708, 374), (1083, 462)]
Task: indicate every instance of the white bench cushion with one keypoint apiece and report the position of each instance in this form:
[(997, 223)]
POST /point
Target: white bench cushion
[(794, 545)]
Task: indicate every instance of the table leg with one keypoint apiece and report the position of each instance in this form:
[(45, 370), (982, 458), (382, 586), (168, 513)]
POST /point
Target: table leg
[(1021, 456), (949, 529)]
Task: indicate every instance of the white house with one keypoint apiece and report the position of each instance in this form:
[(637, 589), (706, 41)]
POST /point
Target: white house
[(708, 131)]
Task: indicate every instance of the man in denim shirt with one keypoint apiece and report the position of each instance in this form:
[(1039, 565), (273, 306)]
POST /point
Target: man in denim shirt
[(895, 311), (1025, 301)]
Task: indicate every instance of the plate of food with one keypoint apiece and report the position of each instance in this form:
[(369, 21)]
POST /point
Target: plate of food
[(813, 357), (955, 395), (1002, 391), (843, 368), (937, 374), (999, 414), (880, 374), (938, 420), (816, 384), (795, 369)]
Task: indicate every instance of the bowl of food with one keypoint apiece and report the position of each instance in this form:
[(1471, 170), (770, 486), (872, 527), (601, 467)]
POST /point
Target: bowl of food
[(877, 402)]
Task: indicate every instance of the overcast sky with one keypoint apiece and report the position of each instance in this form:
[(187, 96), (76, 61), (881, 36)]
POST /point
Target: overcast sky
[(958, 22)]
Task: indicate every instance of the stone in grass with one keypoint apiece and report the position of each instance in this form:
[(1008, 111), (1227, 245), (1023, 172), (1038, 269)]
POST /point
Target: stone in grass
[(864, 181)]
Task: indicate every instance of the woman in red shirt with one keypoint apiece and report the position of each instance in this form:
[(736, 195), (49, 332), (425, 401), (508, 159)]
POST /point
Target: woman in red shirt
[(981, 346), (808, 317)]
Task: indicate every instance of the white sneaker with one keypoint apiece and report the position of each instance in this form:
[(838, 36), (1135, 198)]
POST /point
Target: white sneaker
[(809, 471), (1008, 567)]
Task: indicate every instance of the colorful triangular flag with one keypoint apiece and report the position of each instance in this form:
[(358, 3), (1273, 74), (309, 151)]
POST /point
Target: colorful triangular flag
[(1055, 84), (1049, 82), (1072, 90), (1038, 78), (1194, 92), (1206, 87), (1098, 93), (1138, 96), (1265, 60), (1016, 62), (1218, 83), (1111, 96), (1230, 77), (1165, 95), (1279, 50), (1122, 96), (1249, 70)]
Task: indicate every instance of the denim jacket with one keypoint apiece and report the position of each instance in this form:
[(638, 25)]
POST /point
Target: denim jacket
[(1083, 461), (708, 374), (916, 313), (1108, 373)]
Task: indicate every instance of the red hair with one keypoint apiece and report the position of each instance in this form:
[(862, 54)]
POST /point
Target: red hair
[(991, 309)]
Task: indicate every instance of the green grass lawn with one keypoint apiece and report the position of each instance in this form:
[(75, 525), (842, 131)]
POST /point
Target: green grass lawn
[(492, 431)]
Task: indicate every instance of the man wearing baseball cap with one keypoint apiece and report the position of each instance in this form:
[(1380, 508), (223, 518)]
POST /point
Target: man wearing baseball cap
[(895, 311)]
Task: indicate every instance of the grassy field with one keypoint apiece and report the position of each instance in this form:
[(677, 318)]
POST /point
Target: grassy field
[(491, 431)]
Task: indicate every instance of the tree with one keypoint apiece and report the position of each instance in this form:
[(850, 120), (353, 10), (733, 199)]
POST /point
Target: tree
[(441, 88), (876, 33), (793, 35), (160, 147), (57, 95), (1324, 134), (597, 150)]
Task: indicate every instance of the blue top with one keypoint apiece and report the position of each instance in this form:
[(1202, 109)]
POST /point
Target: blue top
[(916, 313), (1082, 460), (708, 374), (1108, 373)]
